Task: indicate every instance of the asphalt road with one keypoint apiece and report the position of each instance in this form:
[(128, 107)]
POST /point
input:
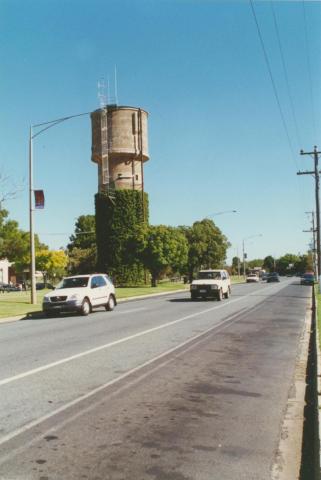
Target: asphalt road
[(160, 389)]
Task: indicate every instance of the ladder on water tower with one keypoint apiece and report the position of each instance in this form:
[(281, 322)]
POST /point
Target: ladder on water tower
[(107, 183)]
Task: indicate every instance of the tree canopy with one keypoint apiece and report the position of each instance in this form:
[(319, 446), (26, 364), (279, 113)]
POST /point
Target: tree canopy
[(268, 263), (236, 265), (15, 243), (52, 263), (207, 246), (164, 247), (82, 250), (85, 234)]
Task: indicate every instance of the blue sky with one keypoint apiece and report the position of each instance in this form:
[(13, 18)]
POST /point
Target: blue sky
[(216, 137)]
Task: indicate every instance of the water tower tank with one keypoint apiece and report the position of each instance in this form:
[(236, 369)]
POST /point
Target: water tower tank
[(120, 146)]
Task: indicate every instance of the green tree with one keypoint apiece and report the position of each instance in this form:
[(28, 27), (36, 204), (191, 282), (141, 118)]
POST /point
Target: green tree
[(236, 263), (268, 263), (304, 263), (163, 248), (52, 263), (207, 246), (85, 233), (82, 250), (257, 262), (287, 263), (82, 260), (15, 243)]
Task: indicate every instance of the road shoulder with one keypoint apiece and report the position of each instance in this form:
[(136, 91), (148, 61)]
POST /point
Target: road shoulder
[(289, 453)]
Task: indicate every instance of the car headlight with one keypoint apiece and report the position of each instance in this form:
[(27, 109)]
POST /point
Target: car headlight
[(74, 297), (214, 287), (193, 287), (46, 299)]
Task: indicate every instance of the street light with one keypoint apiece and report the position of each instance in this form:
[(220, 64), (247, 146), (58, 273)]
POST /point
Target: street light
[(221, 213), (247, 238), (46, 126)]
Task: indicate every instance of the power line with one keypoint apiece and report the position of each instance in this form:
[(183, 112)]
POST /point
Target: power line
[(273, 82), (285, 72), (309, 67)]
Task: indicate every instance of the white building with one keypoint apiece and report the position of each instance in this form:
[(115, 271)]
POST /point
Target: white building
[(4, 270)]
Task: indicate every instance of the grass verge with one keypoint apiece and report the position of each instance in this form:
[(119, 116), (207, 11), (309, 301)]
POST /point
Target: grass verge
[(18, 303), (318, 302), (126, 292)]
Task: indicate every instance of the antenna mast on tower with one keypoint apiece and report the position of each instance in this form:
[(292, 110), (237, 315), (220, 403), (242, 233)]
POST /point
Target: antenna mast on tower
[(115, 85), (102, 96)]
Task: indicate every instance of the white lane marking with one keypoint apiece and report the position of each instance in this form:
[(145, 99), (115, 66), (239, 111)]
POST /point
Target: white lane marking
[(74, 402), (123, 340)]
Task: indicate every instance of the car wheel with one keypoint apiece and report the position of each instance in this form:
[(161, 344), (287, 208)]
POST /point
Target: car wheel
[(220, 295), (227, 294), (193, 297), (110, 305), (85, 307)]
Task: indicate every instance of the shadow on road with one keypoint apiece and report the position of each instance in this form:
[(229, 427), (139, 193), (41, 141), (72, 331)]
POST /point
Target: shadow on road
[(179, 300)]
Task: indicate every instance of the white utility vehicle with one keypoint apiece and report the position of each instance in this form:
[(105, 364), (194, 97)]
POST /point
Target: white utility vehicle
[(215, 284), (80, 293), (252, 277)]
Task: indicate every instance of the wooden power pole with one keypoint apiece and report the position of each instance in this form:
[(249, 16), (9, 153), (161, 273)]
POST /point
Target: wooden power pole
[(316, 174)]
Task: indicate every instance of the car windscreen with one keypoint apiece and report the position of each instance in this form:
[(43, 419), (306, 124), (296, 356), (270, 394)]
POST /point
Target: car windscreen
[(209, 275), (73, 282)]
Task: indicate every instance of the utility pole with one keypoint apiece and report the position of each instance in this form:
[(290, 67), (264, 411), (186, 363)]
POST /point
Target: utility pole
[(313, 230), (244, 257), (316, 174), (238, 264)]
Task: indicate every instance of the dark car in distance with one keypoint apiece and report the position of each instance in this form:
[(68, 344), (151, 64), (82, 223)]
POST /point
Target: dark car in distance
[(273, 277), (6, 287), (308, 279), (42, 286)]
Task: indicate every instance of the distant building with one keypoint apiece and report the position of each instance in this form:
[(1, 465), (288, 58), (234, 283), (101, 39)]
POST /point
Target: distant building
[(4, 270)]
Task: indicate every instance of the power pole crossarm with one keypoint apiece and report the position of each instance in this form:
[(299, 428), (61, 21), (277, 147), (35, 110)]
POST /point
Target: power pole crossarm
[(305, 173)]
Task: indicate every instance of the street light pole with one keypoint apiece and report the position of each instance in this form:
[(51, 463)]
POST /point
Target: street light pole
[(244, 275), (247, 238), (46, 126), (31, 223)]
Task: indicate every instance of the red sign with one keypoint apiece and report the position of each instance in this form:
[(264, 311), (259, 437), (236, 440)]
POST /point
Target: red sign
[(39, 199)]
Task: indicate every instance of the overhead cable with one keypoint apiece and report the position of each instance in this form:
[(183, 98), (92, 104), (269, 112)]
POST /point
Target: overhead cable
[(286, 74), (273, 83), (309, 69)]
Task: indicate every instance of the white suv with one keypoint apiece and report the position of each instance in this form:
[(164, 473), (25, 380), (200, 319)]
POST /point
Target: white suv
[(80, 293), (211, 284)]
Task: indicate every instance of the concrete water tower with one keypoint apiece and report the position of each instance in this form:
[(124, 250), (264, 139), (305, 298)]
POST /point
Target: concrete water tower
[(119, 147)]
